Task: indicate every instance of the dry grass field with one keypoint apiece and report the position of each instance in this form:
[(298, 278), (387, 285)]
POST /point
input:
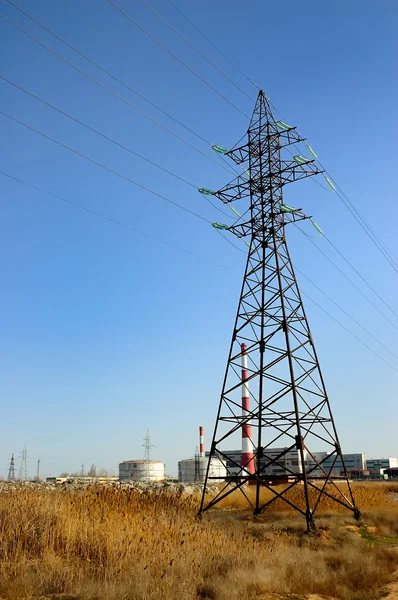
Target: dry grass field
[(111, 544)]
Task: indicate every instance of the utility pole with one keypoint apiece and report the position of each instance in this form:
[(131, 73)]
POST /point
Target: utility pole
[(11, 470), (38, 470), (82, 470), (272, 353)]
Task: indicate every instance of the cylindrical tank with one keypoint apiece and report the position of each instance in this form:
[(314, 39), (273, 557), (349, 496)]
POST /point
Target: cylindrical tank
[(191, 470), (141, 470)]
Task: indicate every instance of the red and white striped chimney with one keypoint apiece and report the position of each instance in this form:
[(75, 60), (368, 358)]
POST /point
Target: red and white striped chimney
[(247, 460), (201, 442)]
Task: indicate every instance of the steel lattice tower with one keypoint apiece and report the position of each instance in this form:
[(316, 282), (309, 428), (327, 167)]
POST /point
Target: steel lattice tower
[(23, 469), (147, 445), (11, 470), (289, 406)]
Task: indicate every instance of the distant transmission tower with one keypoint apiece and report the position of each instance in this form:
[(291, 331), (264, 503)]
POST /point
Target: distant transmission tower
[(11, 470), (197, 465), (273, 383), (23, 469), (147, 445)]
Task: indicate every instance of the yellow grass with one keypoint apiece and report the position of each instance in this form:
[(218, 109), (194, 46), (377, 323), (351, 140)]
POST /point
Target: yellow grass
[(368, 495), (111, 544)]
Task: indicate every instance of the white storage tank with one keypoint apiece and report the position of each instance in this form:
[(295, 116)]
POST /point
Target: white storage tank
[(191, 469), (142, 470)]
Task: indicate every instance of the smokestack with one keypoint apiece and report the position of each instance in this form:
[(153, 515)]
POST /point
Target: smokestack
[(201, 442), (247, 460)]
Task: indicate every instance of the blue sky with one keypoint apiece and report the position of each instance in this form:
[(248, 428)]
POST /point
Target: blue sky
[(105, 332)]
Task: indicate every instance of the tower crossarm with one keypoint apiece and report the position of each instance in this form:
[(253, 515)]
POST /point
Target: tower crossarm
[(240, 154), (291, 171), (286, 171), (255, 227), (238, 189)]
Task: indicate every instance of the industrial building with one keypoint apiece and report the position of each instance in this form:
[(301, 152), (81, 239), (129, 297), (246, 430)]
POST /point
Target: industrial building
[(377, 466), (141, 470), (353, 463), (289, 462), (275, 462), (195, 469)]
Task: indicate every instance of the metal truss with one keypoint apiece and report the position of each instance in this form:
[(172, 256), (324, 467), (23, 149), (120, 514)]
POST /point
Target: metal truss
[(289, 405)]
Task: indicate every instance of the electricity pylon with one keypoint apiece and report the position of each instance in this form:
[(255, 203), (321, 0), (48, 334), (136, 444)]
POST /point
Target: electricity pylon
[(11, 470), (197, 465), (288, 407), (23, 469), (147, 445)]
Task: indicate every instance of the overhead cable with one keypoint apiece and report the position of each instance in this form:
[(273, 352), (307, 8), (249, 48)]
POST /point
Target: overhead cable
[(114, 221), (177, 59), (346, 313), (212, 44), (350, 332), (112, 92), (143, 187), (348, 279), (377, 241), (108, 73), (339, 323), (128, 227), (109, 139), (194, 48), (359, 274)]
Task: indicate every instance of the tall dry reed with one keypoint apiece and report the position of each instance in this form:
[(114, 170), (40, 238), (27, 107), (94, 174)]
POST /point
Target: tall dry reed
[(115, 544)]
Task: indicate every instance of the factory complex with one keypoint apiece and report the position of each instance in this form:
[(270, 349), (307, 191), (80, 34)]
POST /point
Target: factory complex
[(275, 464)]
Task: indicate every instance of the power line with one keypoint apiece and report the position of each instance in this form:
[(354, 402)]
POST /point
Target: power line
[(359, 274), (362, 222), (350, 206), (111, 91), (128, 227), (112, 220), (143, 187), (344, 258), (214, 46), (348, 279), (176, 58), (155, 163), (110, 140), (109, 74), (349, 331), (345, 312), (194, 48), (367, 229), (338, 306)]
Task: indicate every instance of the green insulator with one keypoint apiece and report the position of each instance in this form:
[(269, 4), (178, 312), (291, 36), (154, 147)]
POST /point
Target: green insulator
[(300, 159), (219, 226), (219, 149), (235, 211), (310, 150), (206, 192), (282, 125), (330, 183), (319, 230), (287, 208)]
